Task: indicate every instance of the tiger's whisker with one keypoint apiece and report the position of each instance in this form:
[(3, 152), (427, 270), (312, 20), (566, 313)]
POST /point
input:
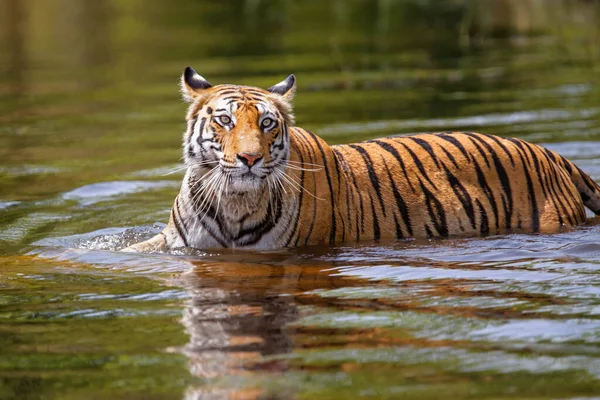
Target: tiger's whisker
[(276, 176), (298, 186), (175, 170), (302, 163), (208, 201), (304, 169)]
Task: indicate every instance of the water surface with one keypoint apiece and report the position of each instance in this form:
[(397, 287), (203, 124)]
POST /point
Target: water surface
[(90, 130)]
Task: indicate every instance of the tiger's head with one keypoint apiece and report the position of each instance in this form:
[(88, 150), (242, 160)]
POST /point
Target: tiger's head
[(237, 134)]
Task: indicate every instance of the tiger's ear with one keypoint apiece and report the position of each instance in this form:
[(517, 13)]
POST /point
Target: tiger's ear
[(193, 85), (285, 88)]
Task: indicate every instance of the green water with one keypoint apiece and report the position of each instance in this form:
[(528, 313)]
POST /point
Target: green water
[(90, 133)]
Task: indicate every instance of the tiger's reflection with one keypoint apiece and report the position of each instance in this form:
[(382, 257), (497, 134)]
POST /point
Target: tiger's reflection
[(243, 306), (238, 314)]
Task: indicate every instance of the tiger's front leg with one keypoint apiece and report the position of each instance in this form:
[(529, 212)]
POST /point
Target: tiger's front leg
[(156, 244), (167, 239)]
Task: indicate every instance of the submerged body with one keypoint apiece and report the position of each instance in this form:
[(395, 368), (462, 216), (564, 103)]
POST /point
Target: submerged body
[(256, 181)]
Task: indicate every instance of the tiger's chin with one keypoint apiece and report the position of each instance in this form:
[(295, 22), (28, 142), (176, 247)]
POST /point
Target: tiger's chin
[(246, 184)]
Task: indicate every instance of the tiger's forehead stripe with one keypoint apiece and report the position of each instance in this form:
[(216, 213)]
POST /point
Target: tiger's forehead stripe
[(231, 98)]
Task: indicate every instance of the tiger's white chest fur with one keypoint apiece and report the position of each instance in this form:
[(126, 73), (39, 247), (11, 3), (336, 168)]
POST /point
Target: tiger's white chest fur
[(252, 220)]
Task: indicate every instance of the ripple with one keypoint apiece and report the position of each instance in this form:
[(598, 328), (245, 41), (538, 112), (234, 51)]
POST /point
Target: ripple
[(96, 192), (23, 170), (448, 123), (536, 330), (450, 358), (111, 239), (176, 169), (408, 273), (101, 249), (154, 296), (7, 204)]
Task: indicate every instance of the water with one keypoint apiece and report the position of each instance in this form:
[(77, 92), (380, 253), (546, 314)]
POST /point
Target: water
[(90, 129)]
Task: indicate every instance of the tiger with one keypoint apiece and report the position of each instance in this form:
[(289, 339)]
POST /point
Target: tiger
[(254, 180)]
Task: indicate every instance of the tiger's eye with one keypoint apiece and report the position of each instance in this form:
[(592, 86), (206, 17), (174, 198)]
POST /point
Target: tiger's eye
[(266, 122), (225, 120)]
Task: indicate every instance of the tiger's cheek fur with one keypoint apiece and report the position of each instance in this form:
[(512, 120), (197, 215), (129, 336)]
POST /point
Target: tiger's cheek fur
[(201, 142), (279, 145)]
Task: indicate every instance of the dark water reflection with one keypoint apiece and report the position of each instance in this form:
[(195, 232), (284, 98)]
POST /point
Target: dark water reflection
[(90, 125)]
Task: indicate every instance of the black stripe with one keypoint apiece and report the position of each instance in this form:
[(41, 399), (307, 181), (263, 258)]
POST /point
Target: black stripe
[(210, 231), (533, 159), (299, 206), (484, 224), (210, 213), (554, 187), (342, 219), (568, 200), (190, 133), (376, 231), (549, 153), (554, 166), (568, 166), (552, 194), (312, 160), (462, 194), (497, 140), (543, 174), (333, 221), (372, 175), (392, 150), (481, 152), (349, 171), (584, 197), (419, 165), (339, 188), (399, 234), (456, 143), (178, 227), (177, 209), (199, 140), (545, 177), (435, 211), (428, 231), (535, 213), (564, 198), (427, 147), (253, 91), (504, 181), (450, 157), (191, 126), (400, 203), (281, 145), (257, 231), (236, 97), (489, 194), (342, 161), (586, 179)]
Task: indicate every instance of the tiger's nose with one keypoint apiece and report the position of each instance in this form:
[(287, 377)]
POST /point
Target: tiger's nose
[(249, 159)]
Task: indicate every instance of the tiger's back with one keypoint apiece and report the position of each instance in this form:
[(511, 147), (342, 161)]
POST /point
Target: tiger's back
[(462, 184)]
